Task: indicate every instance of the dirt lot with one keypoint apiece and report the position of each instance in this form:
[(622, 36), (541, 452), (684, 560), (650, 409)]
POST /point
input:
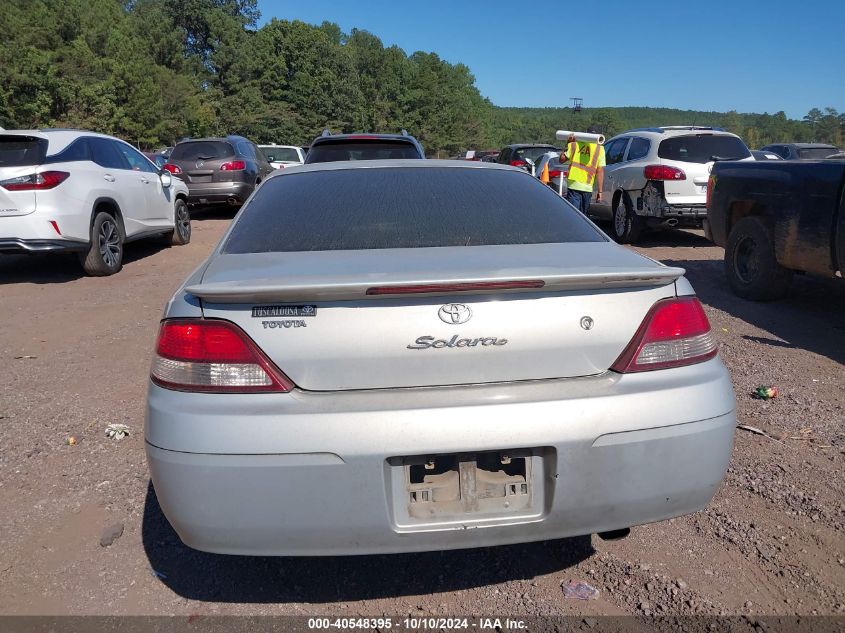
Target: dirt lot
[(75, 354)]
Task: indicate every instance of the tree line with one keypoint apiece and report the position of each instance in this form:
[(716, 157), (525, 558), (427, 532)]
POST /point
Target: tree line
[(155, 71)]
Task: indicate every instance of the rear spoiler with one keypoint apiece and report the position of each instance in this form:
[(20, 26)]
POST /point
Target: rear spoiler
[(339, 289)]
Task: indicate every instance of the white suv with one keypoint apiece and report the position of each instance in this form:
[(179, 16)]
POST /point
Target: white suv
[(281, 156), (71, 190), (657, 177)]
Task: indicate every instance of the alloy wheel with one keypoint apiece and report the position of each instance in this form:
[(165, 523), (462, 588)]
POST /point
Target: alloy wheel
[(109, 242)]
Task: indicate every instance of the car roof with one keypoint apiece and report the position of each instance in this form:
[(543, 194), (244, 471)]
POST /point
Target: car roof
[(524, 145), (807, 145), (364, 136), (392, 164), (59, 138), (222, 139)]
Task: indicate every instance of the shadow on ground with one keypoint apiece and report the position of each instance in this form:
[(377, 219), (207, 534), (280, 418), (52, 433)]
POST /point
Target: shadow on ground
[(60, 268), (811, 317), (221, 578)]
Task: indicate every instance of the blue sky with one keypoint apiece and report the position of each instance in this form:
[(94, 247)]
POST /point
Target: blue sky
[(744, 55)]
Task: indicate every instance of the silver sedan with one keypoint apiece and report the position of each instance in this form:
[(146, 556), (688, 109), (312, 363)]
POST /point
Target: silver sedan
[(394, 356)]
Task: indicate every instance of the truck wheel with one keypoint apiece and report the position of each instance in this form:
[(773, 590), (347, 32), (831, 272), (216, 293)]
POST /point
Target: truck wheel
[(627, 225), (751, 267), (105, 255), (181, 234)]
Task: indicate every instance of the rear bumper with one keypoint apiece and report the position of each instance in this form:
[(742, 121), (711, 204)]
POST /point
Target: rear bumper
[(219, 192), (316, 474), (15, 245)]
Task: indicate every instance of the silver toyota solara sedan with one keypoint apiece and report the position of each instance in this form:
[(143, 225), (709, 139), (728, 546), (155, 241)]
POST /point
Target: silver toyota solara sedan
[(395, 356)]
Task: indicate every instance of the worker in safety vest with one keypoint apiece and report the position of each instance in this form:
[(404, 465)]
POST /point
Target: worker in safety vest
[(586, 169)]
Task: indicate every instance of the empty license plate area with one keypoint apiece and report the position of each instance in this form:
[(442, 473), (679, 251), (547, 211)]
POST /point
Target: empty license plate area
[(432, 490)]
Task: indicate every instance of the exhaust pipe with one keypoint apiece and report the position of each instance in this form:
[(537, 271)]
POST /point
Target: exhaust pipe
[(614, 535), (233, 202), (670, 222)]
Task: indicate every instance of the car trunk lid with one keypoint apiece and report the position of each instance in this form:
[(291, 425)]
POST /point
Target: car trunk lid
[(316, 317)]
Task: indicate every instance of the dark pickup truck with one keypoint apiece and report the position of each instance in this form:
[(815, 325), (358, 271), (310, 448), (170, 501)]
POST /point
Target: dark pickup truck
[(775, 218)]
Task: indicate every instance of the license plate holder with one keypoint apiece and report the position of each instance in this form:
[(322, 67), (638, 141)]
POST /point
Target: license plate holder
[(451, 490)]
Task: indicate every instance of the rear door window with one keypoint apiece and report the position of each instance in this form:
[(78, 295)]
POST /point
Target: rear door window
[(201, 150), (21, 151), (809, 153), (361, 209), (361, 150), (106, 154), (702, 148), (638, 149)]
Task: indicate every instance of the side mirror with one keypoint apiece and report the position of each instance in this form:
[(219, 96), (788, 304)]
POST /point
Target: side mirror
[(270, 158), (529, 161), (166, 179)]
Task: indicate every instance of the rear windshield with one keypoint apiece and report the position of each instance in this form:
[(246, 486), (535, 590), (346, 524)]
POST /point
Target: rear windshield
[(287, 154), (702, 148), (816, 152), (201, 150), (360, 209), (361, 150), (533, 152), (21, 151)]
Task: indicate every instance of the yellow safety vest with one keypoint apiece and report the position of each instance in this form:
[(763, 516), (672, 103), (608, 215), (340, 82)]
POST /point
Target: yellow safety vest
[(584, 163)]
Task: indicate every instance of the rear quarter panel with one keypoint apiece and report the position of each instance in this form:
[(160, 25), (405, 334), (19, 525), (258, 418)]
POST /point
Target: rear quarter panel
[(799, 199)]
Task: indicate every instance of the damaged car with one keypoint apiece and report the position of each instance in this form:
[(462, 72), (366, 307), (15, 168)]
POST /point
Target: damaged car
[(657, 177)]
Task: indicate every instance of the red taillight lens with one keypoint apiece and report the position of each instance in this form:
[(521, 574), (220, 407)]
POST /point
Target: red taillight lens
[(233, 165), (35, 182), (212, 355), (674, 333), (518, 163), (460, 287), (173, 169), (555, 173), (663, 172), (711, 182)]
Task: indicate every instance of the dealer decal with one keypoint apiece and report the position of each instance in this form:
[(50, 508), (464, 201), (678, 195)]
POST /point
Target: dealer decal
[(284, 311)]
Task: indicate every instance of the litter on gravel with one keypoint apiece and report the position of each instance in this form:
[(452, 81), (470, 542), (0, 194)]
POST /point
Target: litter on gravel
[(765, 392), (579, 590), (756, 431), (117, 431)]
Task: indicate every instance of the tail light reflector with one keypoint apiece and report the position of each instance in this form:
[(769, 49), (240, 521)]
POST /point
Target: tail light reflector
[(674, 333), (35, 182), (212, 355), (711, 182), (173, 169), (555, 173), (518, 163), (663, 172), (233, 165)]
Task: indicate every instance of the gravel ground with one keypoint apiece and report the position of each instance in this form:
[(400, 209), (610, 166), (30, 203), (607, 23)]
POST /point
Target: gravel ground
[(75, 353)]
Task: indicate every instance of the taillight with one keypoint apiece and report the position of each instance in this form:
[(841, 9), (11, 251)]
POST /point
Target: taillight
[(663, 172), (212, 355), (233, 165), (711, 182), (518, 163), (35, 182), (674, 333), (555, 173), (173, 169)]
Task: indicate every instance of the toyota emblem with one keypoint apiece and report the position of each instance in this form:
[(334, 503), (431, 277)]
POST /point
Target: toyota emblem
[(454, 313)]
